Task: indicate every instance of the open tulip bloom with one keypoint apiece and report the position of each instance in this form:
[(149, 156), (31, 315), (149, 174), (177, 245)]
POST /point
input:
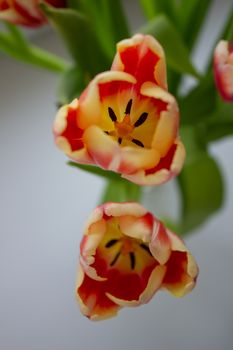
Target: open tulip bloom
[(127, 255), (126, 121)]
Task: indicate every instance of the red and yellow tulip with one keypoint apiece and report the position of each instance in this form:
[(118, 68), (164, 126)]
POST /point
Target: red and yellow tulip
[(26, 12), (223, 69), (126, 256), (126, 121)]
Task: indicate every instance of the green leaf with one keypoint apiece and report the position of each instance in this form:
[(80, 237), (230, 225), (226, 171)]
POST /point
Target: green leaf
[(200, 103), (228, 30), (110, 175), (226, 33), (80, 38), (202, 191), (71, 85), (116, 20), (108, 19), (194, 142), (121, 191), (192, 14), (30, 54), (220, 124), (73, 4), (176, 52), (153, 8)]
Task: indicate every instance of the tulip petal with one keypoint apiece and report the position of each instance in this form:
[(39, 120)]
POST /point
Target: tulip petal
[(94, 232), (88, 248), (126, 208), (12, 16), (68, 135), (160, 245), (107, 153), (25, 12), (167, 168), (92, 298), (223, 70), (139, 228), (103, 149), (134, 159), (182, 269), (168, 123), (153, 284), (143, 57)]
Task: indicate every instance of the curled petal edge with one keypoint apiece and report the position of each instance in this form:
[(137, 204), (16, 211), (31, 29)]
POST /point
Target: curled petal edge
[(84, 309), (154, 284), (126, 208), (168, 123), (154, 46), (163, 175), (160, 244), (139, 228), (178, 245)]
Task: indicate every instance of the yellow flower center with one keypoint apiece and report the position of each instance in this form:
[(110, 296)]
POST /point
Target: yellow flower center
[(130, 121), (124, 128), (123, 252)]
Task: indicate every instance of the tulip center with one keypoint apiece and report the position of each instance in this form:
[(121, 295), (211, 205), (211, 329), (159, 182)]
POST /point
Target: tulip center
[(130, 123), (123, 252)]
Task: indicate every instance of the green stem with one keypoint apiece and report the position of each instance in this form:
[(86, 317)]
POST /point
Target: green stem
[(121, 191)]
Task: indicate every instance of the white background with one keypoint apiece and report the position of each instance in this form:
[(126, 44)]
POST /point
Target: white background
[(43, 207)]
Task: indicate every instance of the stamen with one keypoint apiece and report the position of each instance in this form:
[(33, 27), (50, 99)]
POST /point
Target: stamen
[(146, 248), (128, 107), (141, 119), (137, 142), (106, 132), (132, 260), (112, 114), (111, 243), (119, 140), (115, 259)]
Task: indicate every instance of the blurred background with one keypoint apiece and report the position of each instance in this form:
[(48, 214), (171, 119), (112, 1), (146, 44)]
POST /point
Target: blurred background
[(44, 204)]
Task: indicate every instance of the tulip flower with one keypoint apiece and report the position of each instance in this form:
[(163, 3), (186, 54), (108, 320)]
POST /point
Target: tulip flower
[(126, 256), (126, 121), (223, 69), (26, 13)]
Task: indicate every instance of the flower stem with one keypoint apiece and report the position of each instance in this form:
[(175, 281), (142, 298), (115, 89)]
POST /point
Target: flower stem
[(121, 191)]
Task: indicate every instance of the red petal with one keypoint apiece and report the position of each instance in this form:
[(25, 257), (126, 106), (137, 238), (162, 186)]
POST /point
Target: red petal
[(165, 162), (122, 285), (176, 268), (57, 3), (4, 5), (113, 88), (72, 132), (29, 19), (140, 65), (128, 286), (93, 296)]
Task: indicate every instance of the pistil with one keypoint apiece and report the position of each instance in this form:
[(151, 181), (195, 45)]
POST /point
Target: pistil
[(124, 129)]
